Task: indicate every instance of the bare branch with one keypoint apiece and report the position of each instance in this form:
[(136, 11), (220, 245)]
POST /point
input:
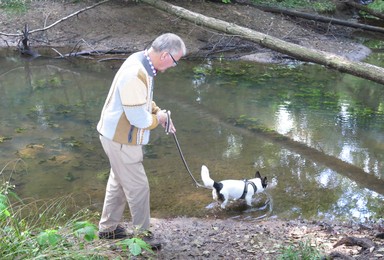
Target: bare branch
[(61, 55), (57, 22), (69, 16)]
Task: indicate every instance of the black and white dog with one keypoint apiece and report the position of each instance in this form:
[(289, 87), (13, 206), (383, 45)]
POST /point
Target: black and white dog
[(233, 189)]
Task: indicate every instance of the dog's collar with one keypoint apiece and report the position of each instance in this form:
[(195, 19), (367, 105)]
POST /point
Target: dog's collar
[(246, 183)]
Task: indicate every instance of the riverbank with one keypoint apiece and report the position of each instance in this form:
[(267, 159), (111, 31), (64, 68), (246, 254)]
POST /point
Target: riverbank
[(192, 238), (133, 26)]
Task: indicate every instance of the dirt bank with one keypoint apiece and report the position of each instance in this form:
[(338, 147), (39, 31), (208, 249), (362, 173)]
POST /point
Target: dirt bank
[(192, 238), (130, 26)]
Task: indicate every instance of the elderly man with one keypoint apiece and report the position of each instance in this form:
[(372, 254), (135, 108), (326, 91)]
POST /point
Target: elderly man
[(128, 115)]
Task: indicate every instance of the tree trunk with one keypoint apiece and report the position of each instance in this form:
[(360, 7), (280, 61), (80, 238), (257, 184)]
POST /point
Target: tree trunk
[(360, 69)]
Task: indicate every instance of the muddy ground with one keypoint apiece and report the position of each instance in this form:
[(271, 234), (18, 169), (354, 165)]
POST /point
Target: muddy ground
[(207, 238), (129, 26)]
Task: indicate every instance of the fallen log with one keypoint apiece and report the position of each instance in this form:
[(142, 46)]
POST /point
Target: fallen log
[(320, 18), (364, 243), (359, 69), (96, 53)]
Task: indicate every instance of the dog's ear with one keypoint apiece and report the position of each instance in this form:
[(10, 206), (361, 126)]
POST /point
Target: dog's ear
[(257, 175), (264, 182)]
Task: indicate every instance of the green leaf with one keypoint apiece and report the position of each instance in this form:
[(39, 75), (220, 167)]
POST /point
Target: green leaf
[(81, 224), (3, 199), (85, 229), (135, 249), (4, 213), (135, 246), (48, 237), (143, 244), (88, 232)]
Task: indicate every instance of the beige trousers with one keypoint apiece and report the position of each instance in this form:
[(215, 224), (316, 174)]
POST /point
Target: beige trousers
[(127, 182)]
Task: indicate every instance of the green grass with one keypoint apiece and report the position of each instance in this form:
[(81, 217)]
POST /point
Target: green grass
[(321, 6), (54, 229), (302, 251), (15, 6), (377, 6)]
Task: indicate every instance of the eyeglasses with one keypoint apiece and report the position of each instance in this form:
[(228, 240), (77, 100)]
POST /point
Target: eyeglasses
[(174, 61)]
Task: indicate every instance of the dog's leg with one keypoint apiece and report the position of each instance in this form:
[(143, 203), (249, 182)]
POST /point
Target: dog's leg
[(214, 195), (223, 196), (224, 204), (248, 199)]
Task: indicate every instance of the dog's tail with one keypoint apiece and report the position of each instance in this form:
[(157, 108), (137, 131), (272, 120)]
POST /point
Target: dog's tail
[(208, 182)]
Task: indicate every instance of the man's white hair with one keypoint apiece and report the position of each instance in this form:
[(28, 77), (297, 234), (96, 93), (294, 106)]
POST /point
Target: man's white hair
[(169, 42)]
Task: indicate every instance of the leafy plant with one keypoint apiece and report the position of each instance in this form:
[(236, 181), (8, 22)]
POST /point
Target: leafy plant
[(135, 246), (48, 237), (4, 213), (86, 230), (70, 238)]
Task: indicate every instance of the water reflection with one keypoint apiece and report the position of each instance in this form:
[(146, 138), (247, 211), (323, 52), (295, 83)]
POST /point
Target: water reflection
[(50, 112), (284, 121), (234, 146)]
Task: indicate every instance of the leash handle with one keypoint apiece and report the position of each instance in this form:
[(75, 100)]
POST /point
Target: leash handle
[(168, 123)]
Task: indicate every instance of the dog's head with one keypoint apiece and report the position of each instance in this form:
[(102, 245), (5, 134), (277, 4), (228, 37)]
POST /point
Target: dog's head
[(264, 181)]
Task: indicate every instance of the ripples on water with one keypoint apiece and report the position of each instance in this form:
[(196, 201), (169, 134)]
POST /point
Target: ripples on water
[(233, 117)]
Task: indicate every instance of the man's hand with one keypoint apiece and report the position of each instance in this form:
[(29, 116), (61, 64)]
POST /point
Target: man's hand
[(171, 129), (162, 117)]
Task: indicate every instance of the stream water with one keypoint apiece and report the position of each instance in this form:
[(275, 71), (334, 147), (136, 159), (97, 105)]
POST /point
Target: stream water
[(317, 134)]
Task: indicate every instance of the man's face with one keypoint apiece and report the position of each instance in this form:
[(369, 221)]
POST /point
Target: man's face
[(168, 60)]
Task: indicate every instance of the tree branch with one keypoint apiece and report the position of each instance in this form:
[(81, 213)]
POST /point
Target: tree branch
[(57, 22)]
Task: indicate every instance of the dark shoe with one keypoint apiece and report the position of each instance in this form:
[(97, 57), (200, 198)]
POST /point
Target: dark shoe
[(153, 243), (118, 233), (148, 238)]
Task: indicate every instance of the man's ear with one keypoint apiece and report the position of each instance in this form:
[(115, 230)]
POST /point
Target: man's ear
[(163, 55)]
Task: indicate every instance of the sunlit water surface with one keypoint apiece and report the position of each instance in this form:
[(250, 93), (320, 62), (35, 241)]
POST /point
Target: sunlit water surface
[(230, 116)]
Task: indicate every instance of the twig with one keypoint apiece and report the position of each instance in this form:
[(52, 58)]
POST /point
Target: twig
[(111, 59), (61, 55), (57, 22), (69, 16)]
